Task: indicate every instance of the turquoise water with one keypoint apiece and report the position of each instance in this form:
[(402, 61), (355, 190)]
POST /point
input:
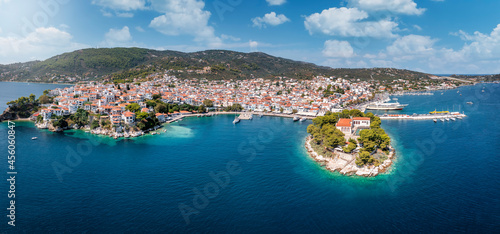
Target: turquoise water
[(266, 183)]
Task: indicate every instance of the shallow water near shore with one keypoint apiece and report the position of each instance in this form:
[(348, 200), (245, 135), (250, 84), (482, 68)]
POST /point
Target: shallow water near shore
[(447, 184)]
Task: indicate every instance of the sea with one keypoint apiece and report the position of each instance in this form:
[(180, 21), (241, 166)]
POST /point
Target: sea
[(207, 175)]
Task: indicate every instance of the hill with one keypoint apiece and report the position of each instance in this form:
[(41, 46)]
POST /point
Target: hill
[(124, 64)]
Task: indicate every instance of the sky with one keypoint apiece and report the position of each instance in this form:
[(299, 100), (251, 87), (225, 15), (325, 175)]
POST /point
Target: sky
[(433, 36)]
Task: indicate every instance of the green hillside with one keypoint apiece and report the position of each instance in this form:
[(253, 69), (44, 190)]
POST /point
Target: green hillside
[(124, 64)]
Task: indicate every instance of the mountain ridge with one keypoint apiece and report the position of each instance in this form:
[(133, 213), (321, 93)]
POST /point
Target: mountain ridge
[(124, 64)]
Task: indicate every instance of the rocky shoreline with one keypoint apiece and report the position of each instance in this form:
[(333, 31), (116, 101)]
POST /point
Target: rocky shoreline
[(97, 131), (345, 163)]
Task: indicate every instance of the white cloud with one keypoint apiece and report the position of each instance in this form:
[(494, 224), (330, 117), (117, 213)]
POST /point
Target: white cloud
[(408, 7), (1, 30), (4, 1), (417, 27), (409, 46), (481, 45), (184, 17), (348, 22), (140, 29), (253, 45), (117, 37), (270, 19), (338, 49), (276, 2), (121, 5), (229, 37), (37, 45)]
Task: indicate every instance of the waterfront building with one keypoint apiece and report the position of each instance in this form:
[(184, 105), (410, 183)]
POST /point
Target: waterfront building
[(345, 126)]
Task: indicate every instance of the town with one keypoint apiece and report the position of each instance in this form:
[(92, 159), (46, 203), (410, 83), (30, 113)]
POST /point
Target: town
[(121, 107)]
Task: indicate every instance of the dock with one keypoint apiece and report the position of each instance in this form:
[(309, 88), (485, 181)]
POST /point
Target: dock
[(246, 116), (421, 116)]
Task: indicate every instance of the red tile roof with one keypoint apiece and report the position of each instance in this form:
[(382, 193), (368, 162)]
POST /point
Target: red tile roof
[(344, 123)]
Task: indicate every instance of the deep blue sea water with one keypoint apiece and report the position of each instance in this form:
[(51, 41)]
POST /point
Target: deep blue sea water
[(10, 91), (445, 178)]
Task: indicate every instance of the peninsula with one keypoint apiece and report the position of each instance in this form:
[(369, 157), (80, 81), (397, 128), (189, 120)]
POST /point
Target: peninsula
[(350, 142)]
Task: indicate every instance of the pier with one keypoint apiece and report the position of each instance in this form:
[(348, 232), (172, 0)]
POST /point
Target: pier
[(422, 116), (413, 94)]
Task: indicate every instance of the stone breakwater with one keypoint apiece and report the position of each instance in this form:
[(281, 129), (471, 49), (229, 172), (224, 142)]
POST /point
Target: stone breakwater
[(345, 163)]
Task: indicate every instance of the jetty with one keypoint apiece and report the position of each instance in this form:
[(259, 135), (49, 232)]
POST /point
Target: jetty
[(423, 116), (413, 94)]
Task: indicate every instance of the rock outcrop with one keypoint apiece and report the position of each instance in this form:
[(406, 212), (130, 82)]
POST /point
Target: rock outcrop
[(345, 163)]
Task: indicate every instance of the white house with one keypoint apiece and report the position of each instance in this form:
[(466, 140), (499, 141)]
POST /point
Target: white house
[(128, 117), (161, 117), (361, 122), (344, 125)]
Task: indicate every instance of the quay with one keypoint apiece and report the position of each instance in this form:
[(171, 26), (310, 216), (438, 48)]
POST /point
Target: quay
[(413, 94), (422, 116), (242, 115)]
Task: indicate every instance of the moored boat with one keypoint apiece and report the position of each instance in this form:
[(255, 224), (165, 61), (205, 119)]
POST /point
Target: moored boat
[(236, 120), (386, 106)]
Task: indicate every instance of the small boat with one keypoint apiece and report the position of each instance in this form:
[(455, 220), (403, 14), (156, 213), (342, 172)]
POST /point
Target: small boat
[(435, 120), (34, 138), (447, 119), (482, 91), (453, 119), (303, 119), (459, 117), (441, 93), (470, 103), (442, 120), (296, 118), (165, 130), (236, 120), (458, 91), (260, 116)]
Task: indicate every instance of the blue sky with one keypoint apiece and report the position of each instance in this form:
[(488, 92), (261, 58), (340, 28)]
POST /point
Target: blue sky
[(434, 36)]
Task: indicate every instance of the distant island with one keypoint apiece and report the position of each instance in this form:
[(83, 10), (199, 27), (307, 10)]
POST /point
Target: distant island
[(350, 142)]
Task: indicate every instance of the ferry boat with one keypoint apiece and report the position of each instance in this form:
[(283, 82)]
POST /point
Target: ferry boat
[(296, 118), (386, 106)]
